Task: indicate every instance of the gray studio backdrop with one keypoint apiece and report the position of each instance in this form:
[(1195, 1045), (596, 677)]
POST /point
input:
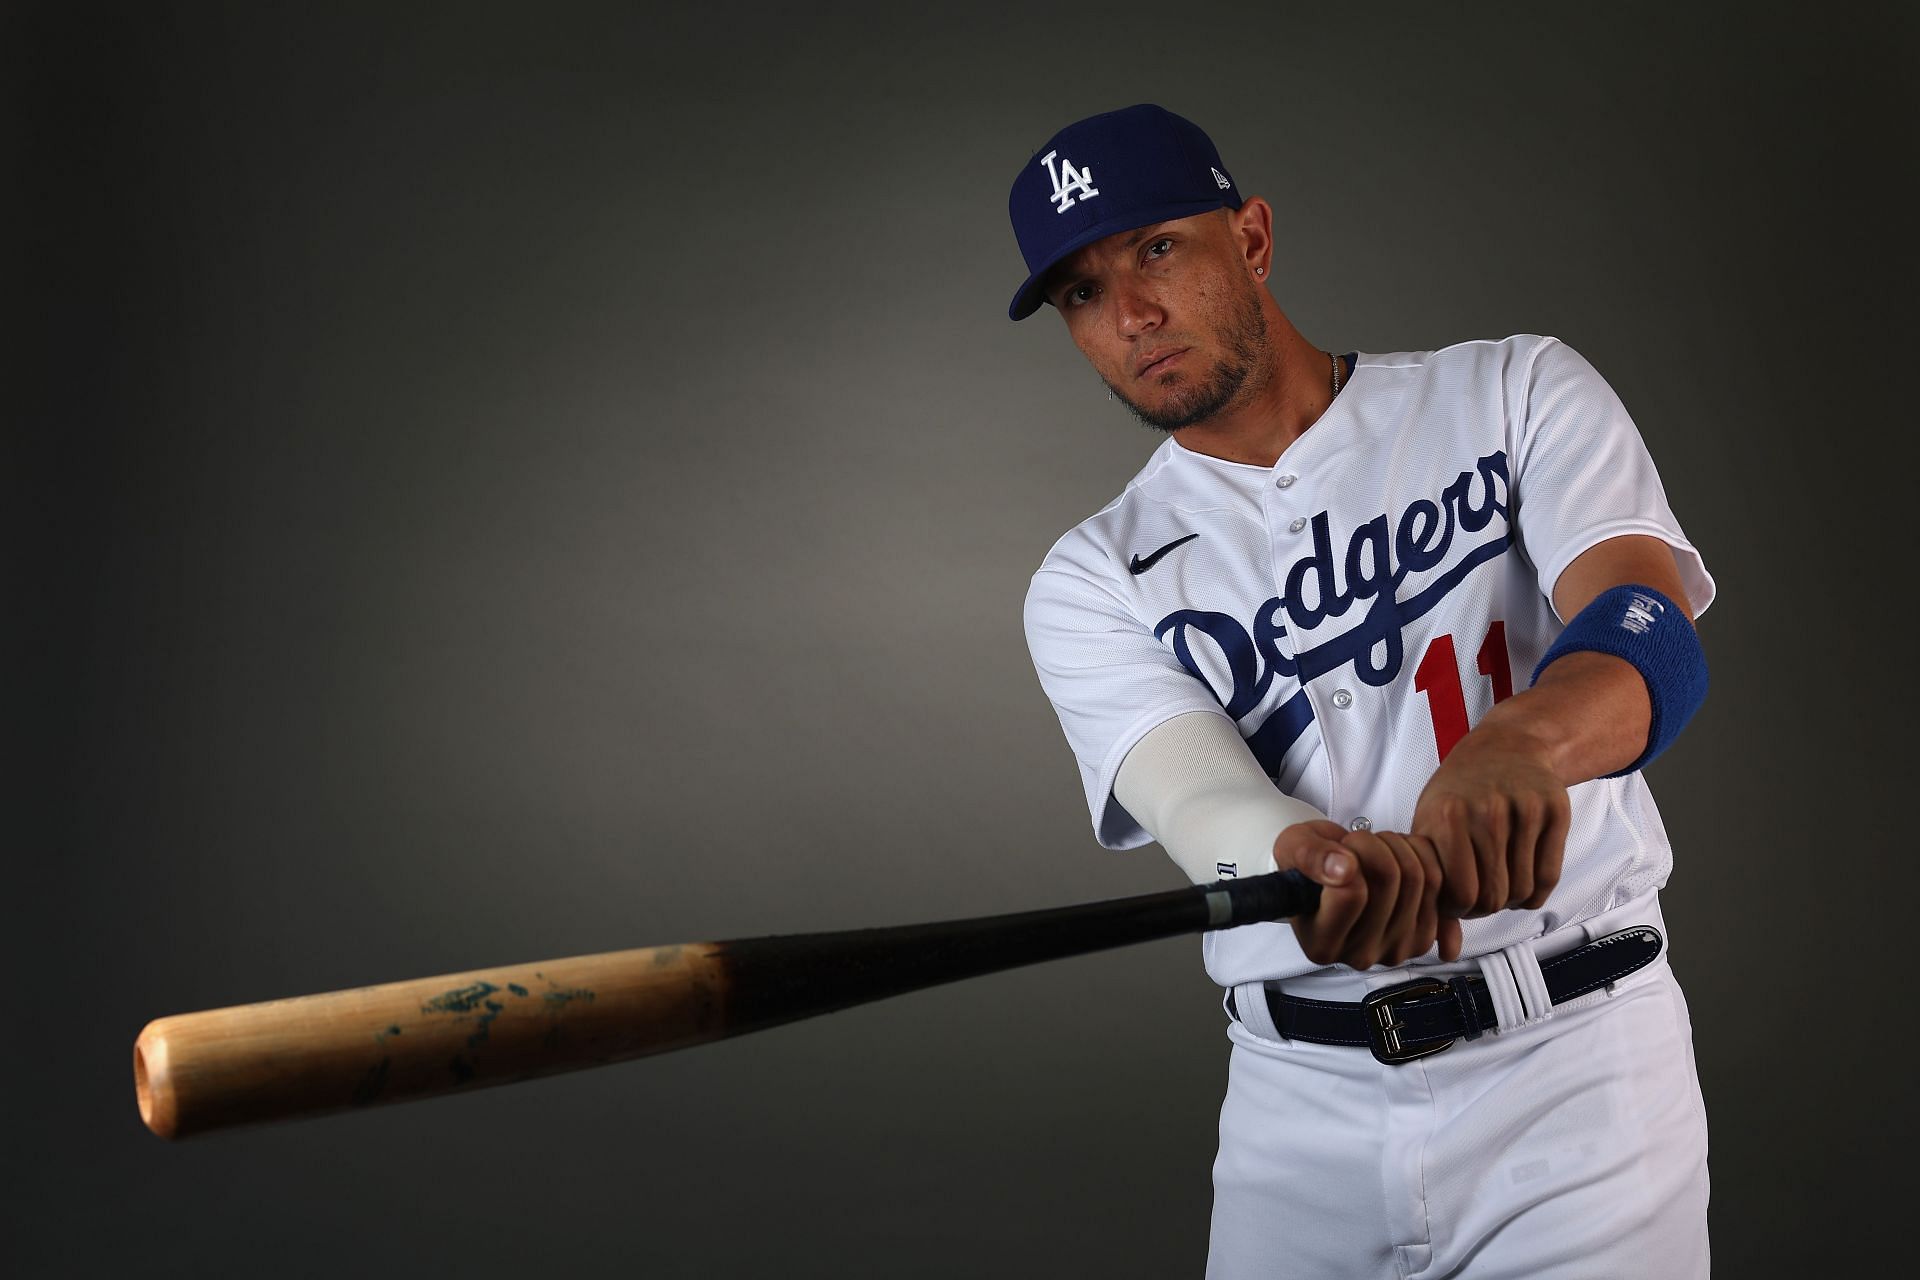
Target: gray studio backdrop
[(523, 481)]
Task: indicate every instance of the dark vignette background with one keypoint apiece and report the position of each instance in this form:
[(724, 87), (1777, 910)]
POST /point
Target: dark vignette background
[(502, 482)]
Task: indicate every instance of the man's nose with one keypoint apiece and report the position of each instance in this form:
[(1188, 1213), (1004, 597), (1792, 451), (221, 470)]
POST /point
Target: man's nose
[(1136, 311)]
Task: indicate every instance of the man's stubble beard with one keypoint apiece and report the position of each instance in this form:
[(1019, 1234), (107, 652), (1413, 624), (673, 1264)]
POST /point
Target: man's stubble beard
[(1248, 352)]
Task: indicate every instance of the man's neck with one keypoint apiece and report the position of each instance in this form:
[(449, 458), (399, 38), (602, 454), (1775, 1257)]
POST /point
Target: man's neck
[(1278, 413)]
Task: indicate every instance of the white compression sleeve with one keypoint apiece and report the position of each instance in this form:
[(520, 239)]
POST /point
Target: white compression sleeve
[(1195, 786)]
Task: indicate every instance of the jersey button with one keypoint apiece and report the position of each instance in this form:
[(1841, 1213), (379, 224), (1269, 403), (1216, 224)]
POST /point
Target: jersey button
[(1286, 482), (1362, 823), (1297, 525), (1342, 699)]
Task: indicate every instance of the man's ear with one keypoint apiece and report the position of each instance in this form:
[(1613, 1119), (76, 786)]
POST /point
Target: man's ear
[(1252, 228)]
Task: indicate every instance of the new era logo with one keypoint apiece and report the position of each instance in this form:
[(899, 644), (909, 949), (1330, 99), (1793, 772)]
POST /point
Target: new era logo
[(1220, 179)]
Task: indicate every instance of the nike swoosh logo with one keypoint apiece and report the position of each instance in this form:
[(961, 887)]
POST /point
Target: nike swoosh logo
[(1138, 565)]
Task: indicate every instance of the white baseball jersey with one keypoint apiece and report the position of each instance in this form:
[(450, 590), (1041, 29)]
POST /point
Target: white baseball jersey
[(1356, 607)]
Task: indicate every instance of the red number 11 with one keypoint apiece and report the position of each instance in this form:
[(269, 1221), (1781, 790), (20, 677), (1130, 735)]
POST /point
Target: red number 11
[(1438, 676)]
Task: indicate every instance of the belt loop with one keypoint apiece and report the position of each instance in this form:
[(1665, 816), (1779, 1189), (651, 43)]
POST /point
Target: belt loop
[(1516, 985), (1250, 998), (1501, 990), (1533, 983)]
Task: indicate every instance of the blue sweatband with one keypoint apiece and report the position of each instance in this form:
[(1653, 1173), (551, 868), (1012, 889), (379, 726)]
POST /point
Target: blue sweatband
[(1650, 631)]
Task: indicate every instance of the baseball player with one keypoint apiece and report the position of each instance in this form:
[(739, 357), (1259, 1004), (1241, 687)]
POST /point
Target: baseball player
[(1410, 624)]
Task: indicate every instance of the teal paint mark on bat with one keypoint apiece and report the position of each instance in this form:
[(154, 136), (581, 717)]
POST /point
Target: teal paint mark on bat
[(380, 1037), (460, 999), (516, 988), (558, 999), (479, 1036)]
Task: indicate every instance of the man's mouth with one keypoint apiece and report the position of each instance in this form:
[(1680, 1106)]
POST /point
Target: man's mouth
[(1159, 361)]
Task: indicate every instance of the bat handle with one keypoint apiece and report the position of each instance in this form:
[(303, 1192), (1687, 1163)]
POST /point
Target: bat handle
[(1269, 897)]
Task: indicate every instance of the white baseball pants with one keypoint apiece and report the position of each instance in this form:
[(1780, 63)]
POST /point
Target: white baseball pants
[(1570, 1148)]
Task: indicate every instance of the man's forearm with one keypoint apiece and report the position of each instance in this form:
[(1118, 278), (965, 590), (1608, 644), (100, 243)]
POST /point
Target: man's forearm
[(1587, 717)]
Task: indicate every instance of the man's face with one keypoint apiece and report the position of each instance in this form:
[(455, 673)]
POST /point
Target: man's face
[(1169, 317)]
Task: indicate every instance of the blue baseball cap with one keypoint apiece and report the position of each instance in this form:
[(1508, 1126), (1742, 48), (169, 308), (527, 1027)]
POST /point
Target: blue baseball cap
[(1112, 172)]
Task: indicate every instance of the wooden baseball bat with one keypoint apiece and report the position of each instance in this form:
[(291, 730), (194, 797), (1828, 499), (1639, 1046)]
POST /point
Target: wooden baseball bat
[(341, 1050)]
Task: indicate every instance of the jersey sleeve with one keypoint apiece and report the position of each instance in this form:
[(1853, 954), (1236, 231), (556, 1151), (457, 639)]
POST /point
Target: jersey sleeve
[(1110, 682), (1582, 474)]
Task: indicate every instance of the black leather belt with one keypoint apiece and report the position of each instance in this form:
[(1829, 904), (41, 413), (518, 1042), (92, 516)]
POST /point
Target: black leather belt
[(1422, 1017)]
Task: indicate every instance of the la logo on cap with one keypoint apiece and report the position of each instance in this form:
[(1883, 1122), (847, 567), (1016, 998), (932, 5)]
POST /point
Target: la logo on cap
[(1066, 181)]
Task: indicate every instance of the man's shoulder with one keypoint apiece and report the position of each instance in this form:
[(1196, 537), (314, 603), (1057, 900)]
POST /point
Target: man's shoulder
[(1467, 384), (1089, 548), (1471, 353), (1174, 487)]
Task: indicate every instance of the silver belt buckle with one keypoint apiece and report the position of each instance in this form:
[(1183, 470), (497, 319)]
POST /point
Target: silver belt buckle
[(1384, 1025)]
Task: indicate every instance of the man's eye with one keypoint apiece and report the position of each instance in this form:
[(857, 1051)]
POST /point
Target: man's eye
[(1167, 241), (1079, 293)]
